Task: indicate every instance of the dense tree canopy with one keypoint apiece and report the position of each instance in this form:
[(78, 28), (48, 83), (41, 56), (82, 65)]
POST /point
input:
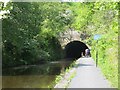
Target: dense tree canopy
[(30, 31)]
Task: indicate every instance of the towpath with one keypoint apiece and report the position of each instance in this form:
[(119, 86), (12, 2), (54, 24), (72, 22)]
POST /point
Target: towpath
[(88, 75)]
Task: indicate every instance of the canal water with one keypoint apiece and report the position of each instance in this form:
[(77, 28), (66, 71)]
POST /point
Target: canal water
[(33, 76)]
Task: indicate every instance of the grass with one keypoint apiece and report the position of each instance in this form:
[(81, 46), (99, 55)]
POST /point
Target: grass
[(108, 62), (63, 79)]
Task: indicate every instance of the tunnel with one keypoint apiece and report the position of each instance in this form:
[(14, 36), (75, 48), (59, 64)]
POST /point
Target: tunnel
[(75, 49)]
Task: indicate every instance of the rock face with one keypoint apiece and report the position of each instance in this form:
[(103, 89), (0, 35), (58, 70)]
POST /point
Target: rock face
[(75, 49)]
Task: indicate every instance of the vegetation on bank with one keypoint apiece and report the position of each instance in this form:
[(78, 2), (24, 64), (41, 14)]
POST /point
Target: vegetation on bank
[(107, 46), (108, 59), (30, 32), (63, 80)]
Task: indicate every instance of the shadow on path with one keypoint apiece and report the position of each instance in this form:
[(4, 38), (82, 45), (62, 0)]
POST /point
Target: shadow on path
[(82, 65)]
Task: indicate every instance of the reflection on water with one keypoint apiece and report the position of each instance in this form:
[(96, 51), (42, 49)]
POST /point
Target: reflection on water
[(39, 81), (0, 82), (33, 76)]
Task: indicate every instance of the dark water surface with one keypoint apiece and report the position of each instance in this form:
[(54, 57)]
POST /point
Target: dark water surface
[(33, 76)]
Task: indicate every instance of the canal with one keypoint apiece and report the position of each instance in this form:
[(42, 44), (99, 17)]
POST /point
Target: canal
[(33, 76)]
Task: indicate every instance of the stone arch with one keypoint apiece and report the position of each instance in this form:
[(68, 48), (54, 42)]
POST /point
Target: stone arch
[(75, 49)]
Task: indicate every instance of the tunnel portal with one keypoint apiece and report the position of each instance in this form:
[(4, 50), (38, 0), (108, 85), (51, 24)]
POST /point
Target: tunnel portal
[(74, 49)]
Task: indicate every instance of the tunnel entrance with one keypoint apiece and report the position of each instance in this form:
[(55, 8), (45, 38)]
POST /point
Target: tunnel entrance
[(74, 49)]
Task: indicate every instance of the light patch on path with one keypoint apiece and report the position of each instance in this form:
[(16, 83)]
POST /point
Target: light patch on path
[(88, 75)]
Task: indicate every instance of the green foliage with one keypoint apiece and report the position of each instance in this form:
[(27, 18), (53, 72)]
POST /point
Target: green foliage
[(66, 76), (30, 33), (106, 25), (81, 14)]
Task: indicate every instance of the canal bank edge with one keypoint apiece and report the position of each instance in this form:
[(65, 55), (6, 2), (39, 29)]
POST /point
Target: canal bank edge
[(63, 80)]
